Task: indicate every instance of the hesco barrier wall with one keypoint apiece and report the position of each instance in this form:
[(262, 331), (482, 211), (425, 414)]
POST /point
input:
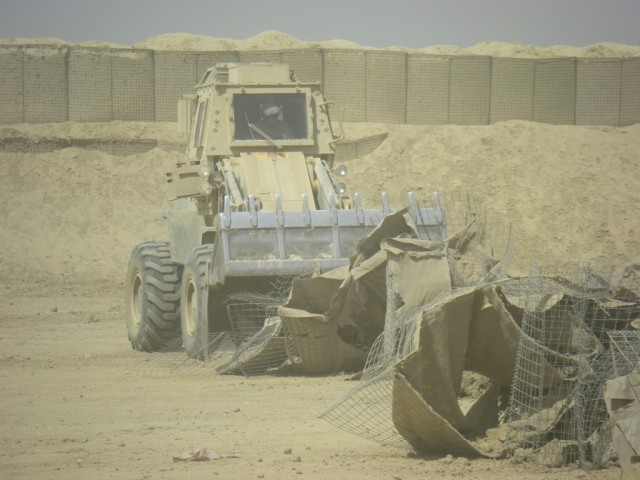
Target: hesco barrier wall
[(42, 84)]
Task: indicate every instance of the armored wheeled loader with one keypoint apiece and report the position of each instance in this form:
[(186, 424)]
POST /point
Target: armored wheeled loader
[(256, 197)]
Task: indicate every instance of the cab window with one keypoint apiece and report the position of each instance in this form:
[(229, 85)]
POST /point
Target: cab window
[(260, 109)]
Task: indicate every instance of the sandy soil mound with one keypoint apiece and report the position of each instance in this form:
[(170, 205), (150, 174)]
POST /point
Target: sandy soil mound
[(512, 50), (75, 214), (186, 42), (275, 40), (568, 189), (269, 40), (59, 43)]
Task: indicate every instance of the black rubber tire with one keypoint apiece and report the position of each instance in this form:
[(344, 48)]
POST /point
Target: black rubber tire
[(194, 304), (152, 297)]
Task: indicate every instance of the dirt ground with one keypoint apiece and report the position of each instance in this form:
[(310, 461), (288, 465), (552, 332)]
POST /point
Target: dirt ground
[(78, 403)]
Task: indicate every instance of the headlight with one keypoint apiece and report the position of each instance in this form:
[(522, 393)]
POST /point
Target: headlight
[(341, 170), (205, 188), (340, 188), (204, 171)]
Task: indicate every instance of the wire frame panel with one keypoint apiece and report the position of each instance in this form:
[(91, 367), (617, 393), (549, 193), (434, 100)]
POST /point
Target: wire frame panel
[(250, 56), (45, 84), (206, 60), (133, 85), (554, 98), (630, 92), (428, 78), (598, 91), (175, 75), (90, 94), (307, 64), (386, 84), (512, 83), (470, 90), (344, 82), (11, 93)]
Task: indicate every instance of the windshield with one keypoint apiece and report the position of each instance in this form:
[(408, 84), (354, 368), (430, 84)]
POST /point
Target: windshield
[(280, 116)]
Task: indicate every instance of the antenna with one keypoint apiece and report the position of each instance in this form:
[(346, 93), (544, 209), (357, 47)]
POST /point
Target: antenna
[(249, 125)]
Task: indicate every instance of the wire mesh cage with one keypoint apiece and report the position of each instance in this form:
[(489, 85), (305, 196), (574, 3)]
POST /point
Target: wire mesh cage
[(262, 344), (557, 413), (625, 351), (256, 343), (366, 410), (611, 304), (483, 240), (173, 360), (261, 340)]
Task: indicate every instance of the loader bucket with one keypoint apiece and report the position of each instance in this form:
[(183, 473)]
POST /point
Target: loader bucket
[(292, 243)]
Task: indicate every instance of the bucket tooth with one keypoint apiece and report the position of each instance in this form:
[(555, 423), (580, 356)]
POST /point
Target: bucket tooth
[(333, 209), (438, 208), (279, 210), (385, 204), (253, 214), (280, 227), (306, 213), (226, 213), (413, 206), (357, 201)]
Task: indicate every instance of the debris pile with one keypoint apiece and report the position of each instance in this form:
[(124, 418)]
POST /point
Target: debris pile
[(419, 318), (329, 322)]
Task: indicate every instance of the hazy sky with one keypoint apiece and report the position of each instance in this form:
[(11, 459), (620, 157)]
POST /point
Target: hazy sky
[(376, 23)]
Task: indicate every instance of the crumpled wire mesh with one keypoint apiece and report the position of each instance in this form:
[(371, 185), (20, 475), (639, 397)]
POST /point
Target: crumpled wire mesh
[(262, 343), (557, 412), (255, 344), (366, 409)]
